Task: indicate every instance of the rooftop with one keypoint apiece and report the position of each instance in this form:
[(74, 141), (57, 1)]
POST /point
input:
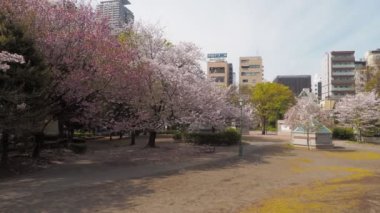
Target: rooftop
[(124, 2), (342, 52), (293, 76)]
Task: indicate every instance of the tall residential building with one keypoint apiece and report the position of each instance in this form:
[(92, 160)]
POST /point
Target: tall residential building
[(251, 70), (116, 12), (296, 83), (361, 76), (338, 78), (219, 69)]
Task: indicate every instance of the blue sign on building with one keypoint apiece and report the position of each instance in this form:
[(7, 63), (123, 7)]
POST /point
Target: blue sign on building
[(217, 55)]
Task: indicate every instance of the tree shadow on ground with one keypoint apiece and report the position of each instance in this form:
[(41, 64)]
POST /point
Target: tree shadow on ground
[(339, 149), (109, 197), (117, 194)]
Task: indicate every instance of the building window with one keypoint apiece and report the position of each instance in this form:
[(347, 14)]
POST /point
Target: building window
[(217, 70), (248, 73), (245, 80), (219, 79), (255, 66)]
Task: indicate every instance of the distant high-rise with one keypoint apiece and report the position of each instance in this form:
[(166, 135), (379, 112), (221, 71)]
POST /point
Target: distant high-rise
[(219, 69), (251, 71), (296, 83), (116, 12), (338, 78)]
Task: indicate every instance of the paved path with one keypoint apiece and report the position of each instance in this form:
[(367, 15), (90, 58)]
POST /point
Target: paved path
[(62, 177), (70, 177)]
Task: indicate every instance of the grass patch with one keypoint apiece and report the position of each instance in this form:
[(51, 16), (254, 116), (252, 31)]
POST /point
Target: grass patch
[(319, 196), (354, 155)]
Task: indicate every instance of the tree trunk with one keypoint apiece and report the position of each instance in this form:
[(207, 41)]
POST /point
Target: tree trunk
[(264, 127), (120, 135), (152, 139), (70, 137), (133, 138), (61, 128), (308, 139), (4, 144), (38, 140), (111, 136)]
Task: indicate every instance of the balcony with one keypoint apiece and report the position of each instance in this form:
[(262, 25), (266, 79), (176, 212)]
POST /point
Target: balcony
[(344, 66), (342, 89), (342, 59), (352, 73), (343, 82)]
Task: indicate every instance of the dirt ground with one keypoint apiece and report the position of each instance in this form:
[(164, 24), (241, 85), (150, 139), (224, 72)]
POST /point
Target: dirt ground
[(176, 177)]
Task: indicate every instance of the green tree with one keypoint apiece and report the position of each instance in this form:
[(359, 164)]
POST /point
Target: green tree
[(374, 82), (271, 100), (22, 103)]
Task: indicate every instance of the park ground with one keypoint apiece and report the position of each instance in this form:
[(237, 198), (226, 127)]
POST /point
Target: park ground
[(272, 176)]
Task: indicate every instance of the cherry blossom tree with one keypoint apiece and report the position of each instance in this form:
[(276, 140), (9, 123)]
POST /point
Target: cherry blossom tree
[(174, 90), (138, 81), (306, 114), (82, 56), (360, 111)]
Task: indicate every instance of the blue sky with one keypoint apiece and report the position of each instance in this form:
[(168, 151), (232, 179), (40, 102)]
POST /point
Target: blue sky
[(292, 36)]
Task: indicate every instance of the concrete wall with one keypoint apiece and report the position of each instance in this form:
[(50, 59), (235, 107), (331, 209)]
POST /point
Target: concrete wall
[(283, 129), (52, 129), (371, 139), (315, 140)]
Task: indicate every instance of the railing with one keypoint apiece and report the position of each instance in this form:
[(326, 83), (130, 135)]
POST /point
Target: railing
[(343, 89), (343, 66), (343, 82), (343, 74)]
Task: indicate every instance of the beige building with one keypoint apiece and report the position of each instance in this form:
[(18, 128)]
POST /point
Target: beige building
[(373, 59), (220, 72), (366, 69), (219, 69), (251, 71)]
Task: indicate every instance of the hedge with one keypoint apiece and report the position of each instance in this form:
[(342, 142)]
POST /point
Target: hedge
[(78, 148), (227, 137), (343, 133)]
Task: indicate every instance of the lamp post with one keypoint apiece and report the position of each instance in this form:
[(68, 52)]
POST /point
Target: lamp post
[(241, 128)]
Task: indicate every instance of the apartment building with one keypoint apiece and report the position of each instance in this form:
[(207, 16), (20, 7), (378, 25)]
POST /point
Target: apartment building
[(338, 77), (219, 69), (117, 13), (251, 71)]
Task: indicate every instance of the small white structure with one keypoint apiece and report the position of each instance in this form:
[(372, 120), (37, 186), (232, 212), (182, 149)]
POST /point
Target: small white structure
[(52, 129), (283, 128), (319, 139)]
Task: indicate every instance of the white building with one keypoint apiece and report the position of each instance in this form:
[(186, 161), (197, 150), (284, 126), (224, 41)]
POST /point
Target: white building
[(117, 13), (338, 77)]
